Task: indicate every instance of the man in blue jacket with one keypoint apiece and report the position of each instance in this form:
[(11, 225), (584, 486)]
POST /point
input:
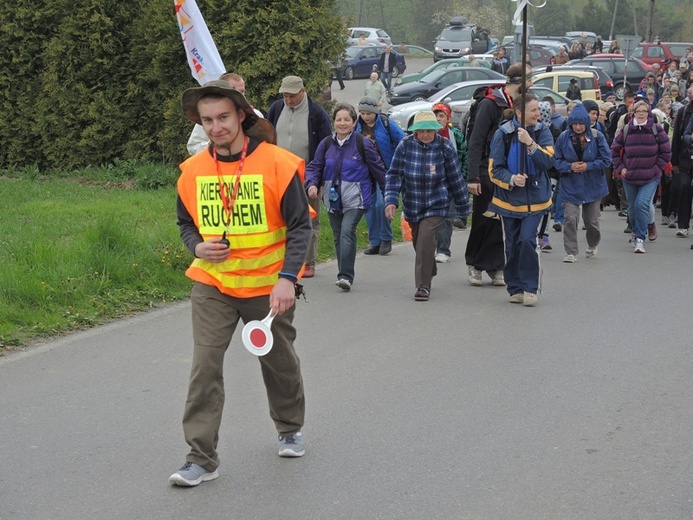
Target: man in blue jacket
[(300, 128)]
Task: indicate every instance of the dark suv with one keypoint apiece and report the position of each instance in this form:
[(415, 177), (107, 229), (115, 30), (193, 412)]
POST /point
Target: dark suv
[(614, 67), (459, 39)]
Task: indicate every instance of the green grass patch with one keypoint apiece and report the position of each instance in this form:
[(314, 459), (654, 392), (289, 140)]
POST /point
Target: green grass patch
[(79, 250), (75, 255)]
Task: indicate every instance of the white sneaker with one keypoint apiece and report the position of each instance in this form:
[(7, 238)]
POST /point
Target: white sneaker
[(343, 284), (529, 299), (474, 276), (570, 259), (683, 233), (497, 278), (591, 252), (639, 246), (442, 258)]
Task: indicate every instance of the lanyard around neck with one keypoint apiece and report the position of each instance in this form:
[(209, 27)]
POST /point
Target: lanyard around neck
[(228, 202)]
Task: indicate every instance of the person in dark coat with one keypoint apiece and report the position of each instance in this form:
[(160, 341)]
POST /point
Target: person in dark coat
[(573, 92)]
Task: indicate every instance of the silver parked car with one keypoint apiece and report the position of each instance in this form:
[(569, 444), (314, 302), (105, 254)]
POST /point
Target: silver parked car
[(459, 97)]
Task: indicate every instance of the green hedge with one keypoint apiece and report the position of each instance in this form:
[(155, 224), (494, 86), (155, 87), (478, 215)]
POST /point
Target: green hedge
[(89, 82)]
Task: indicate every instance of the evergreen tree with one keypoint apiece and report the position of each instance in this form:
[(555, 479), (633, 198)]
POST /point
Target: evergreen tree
[(90, 83)]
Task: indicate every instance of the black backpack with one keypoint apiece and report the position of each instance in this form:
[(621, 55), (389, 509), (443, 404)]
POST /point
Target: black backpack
[(467, 124)]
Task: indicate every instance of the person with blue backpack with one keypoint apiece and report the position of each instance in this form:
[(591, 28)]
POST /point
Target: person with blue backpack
[(371, 123)]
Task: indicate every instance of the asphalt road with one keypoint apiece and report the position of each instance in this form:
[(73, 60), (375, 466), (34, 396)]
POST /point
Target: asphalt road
[(463, 407)]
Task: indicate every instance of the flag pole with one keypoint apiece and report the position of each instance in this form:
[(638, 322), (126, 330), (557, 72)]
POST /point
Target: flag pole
[(524, 82)]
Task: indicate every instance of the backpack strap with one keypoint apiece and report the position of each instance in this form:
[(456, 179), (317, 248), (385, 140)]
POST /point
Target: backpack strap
[(507, 130), (386, 121)]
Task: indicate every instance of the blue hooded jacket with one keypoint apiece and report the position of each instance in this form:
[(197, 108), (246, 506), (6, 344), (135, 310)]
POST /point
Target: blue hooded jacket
[(582, 188)]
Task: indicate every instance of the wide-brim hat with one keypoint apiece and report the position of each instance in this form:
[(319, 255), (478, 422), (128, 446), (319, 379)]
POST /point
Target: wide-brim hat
[(253, 126), (425, 120)]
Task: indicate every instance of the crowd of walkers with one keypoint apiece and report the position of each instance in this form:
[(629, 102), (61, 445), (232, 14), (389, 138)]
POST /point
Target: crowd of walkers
[(520, 164), (523, 162)]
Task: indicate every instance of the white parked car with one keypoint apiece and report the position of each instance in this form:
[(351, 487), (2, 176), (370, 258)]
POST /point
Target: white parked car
[(456, 96), (374, 36)]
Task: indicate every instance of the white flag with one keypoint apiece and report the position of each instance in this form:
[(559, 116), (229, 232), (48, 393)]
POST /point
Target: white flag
[(517, 17), (203, 56)]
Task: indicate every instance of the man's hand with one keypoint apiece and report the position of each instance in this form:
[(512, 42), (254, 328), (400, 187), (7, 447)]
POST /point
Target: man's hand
[(282, 297), (313, 192), (519, 179), (474, 188), (390, 210), (212, 250)]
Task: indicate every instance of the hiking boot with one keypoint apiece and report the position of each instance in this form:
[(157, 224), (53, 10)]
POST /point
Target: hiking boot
[(422, 294), (639, 245), (343, 284), (474, 276), (652, 232), (191, 474), (385, 247), (291, 445), (558, 226), (516, 298), (569, 259), (309, 272), (460, 223), (591, 252), (497, 278), (442, 258), (544, 244), (373, 250), (682, 233), (529, 299)]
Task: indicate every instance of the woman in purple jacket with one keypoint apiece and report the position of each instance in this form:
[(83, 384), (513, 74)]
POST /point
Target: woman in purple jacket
[(640, 158), (346, 166)]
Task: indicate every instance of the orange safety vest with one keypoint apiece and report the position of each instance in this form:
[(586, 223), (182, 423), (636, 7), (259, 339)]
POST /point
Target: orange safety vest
[(257, 230)]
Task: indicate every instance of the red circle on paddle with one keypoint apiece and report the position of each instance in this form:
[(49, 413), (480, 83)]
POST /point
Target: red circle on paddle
[(258, 338)]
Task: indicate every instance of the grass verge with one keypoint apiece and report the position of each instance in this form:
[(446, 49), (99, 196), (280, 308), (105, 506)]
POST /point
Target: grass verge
[(78, 253)]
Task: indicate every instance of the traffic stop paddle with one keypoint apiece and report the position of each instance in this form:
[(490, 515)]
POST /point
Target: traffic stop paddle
[(257, 335)]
